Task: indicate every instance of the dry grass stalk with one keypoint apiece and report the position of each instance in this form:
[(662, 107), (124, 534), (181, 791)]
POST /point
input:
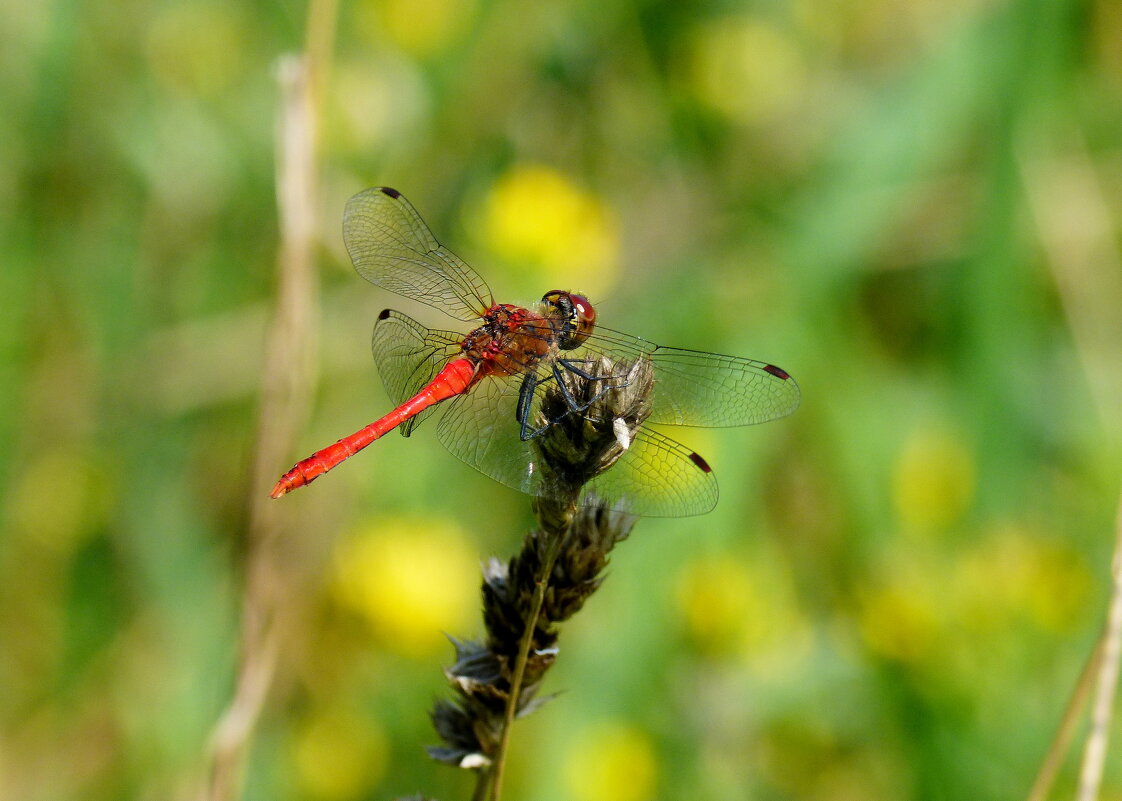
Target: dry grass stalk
[(559, 566), (285, 396), (1065, 733), (285, 391), (1102, 709), (1072, 214)]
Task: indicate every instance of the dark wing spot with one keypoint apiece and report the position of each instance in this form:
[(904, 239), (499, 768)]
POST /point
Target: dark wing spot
[(697, 460), (386, 190), (778, 372), (383, 314)]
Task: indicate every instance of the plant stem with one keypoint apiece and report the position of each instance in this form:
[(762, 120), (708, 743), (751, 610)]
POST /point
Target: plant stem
[(1110, 663), (554, 548), (482, 783), (288, 377), (1053, 761)]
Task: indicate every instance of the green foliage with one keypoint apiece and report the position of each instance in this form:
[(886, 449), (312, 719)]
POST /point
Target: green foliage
[(909, 206)]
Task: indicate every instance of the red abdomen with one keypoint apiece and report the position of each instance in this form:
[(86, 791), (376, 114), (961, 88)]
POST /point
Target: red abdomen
[(454, 379)]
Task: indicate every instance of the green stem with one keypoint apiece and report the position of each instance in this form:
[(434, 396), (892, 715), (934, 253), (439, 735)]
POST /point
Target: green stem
[(482, 782), (542, 585)]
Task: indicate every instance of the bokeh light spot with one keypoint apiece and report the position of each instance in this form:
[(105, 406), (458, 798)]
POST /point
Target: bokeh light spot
[(419, 27), (375, 102), (899, 621), (715, 598), (196, 48), (57, 501), (1012, 573), (338, 755), (611, 762), (411, 579), (933, 480), (730, 609), (745, 69), (536, 217)]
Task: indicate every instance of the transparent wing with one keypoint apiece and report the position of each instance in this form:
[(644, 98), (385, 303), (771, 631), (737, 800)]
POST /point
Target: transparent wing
[(694, 388), (655, 476), (408, 356), (481, 429), (392, 247)]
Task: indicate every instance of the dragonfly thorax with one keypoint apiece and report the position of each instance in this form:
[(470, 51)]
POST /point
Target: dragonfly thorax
[(512, 340)]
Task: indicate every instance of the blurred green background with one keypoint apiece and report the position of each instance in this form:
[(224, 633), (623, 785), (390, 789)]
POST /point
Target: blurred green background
[(911, 205)]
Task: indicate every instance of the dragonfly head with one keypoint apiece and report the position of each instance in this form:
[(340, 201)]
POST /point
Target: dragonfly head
[(576, 313)]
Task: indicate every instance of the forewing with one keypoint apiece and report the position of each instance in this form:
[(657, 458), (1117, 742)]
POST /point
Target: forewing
[(709, 389), (408, 356), (694, 388), (392, 247)]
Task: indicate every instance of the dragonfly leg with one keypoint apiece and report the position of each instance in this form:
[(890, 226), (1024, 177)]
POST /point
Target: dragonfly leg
[(531, 383), (623, 378), (526, 393), (571, 366), (525, 398)]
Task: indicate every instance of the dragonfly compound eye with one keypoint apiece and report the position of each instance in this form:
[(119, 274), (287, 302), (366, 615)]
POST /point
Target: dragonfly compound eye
[(577, 313)]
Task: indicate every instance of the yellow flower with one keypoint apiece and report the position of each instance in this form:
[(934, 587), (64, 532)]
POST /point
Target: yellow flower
[(535, 217), (375, 101), (1057, 585), (338, 755), (419, 27), (900, 619), (197, 48), (58, 500), (729, 608), (745, 69), (411, 580), (1013, 573), (611, 762), (933, 480)]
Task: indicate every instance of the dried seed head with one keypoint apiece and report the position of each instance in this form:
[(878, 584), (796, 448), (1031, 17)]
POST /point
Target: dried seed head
[(569, 551), (613, 401)]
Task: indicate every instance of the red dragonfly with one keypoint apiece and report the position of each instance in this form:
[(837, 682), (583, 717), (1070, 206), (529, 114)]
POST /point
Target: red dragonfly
[(490, 383)]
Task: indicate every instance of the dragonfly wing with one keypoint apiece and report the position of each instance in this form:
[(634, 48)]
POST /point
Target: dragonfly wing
[(481, 429), (694, 388), (408, 357), (392, 247), (653, 476), (656, 477)]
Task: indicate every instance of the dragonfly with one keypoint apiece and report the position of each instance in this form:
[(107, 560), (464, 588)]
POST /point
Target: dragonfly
[(489, 384)]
